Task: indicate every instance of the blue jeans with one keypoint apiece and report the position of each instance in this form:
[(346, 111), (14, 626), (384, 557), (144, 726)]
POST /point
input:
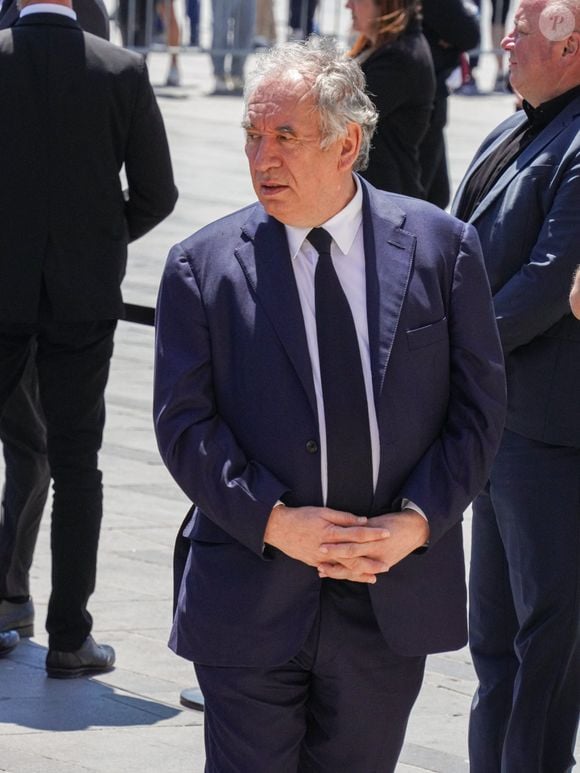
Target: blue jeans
[(234, 22)]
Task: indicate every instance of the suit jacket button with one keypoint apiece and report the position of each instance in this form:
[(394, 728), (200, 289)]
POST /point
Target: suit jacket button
[(312, 447)]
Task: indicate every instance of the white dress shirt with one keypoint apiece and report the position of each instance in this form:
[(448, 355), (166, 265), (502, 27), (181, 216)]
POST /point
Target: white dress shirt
[(63, 10), (348, 259)]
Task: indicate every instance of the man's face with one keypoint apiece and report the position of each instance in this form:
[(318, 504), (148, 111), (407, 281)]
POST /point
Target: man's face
[(297, 181), (534, 59)]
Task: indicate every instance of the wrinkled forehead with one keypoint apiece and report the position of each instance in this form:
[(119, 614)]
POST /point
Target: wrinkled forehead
[(285, 96), (530, 10)]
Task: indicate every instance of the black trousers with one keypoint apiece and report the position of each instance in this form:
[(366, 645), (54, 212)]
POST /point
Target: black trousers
[(23, 437), (340, 706), (525, 610), (72, 362)]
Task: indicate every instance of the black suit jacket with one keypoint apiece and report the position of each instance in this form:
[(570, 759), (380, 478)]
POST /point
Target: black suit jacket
[(91, 14), (401, 82), (80, 108), (450, 26)]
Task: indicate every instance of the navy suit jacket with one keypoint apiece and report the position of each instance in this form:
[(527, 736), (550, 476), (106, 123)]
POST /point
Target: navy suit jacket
[(237, 424), (529, 227)]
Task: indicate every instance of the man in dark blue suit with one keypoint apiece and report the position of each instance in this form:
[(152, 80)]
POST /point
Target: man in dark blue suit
[(330, 393), (521, 193)]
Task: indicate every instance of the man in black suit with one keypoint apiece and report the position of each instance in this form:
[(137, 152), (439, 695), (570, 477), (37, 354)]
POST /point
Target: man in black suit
[(63, 256), (23, 437)]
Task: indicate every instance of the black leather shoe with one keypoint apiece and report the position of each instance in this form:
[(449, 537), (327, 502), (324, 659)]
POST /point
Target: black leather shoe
[(90, 658), (17, 617), (8, 640)]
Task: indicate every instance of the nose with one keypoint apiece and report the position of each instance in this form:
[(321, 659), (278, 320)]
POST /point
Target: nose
[(349, 5), (263, 154), (508, 42)]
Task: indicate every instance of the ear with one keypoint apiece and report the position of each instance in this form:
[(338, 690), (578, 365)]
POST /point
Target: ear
[(571, 45), (350, 147)]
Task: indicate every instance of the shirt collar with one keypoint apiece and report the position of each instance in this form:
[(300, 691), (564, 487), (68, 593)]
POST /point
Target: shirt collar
[(343, 226), (63, 10), (540, 116)]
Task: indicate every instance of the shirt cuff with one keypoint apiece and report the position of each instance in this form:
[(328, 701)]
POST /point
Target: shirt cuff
[(407, 503)]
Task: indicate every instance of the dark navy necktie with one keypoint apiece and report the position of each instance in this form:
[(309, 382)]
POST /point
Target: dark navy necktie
[(348, 440)]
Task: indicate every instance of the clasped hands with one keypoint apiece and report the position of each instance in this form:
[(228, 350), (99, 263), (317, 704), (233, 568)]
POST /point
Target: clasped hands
[(344, 546)]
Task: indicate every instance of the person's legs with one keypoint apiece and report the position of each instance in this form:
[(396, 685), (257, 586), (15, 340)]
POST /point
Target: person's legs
[(361, 693), (244, 27), (192, 7), (166, 13), (540, 493), (492, 629), (73, 367), (222, 11), (23, 436), (500, 9), (254, 718), (136, 30), (26, 484), (535, 491), (265, 33), (301, 18), (341, 704)]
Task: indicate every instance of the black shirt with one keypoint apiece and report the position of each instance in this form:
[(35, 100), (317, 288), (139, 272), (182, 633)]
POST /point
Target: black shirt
[(485, 177)]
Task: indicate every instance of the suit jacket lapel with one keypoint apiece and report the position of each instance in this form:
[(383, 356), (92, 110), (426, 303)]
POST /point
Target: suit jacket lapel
[(477, 162), (522, 161), (389, 252), (8, 14), (265, 259)]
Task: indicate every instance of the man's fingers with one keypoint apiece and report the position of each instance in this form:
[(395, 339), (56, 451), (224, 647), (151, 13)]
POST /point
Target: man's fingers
[(341, 518), (352, 536), (341, 572)]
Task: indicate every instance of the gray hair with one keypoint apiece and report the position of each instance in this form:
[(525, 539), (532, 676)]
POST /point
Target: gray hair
[(572, 5), (337, 83)]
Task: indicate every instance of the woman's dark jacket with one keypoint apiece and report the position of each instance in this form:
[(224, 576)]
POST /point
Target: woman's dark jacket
[(401, 83)]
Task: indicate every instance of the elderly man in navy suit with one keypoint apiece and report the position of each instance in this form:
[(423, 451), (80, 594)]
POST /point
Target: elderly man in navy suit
[(521, 193), (330, 393)]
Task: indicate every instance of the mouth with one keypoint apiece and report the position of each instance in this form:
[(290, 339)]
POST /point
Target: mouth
[(269, 189)]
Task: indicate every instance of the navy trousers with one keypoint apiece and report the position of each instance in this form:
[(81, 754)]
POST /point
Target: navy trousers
[(340, 706), (72, 362), (524, 610)]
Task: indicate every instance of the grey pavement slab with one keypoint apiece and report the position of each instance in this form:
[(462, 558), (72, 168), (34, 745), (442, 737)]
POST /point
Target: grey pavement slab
[(130, 719)]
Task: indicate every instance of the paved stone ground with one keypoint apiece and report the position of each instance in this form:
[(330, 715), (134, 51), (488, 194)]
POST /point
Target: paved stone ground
[(131, 720)]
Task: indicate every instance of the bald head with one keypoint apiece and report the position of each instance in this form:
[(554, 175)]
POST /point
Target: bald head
[(544, 49)]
